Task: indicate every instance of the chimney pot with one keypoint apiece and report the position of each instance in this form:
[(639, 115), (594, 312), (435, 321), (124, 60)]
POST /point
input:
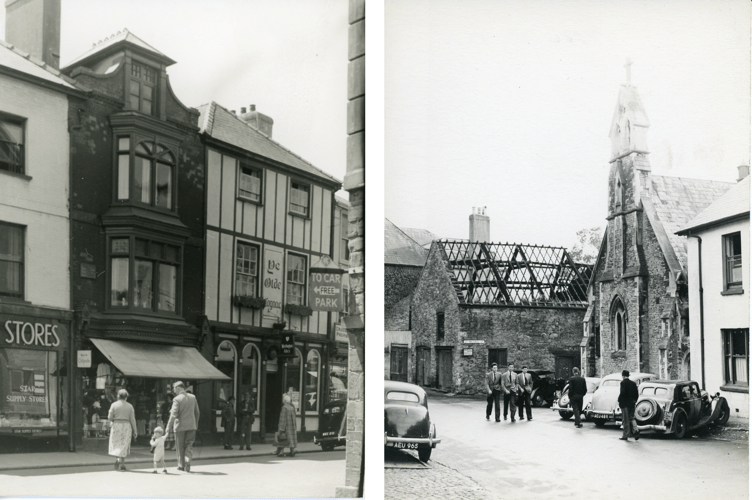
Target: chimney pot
[(233, 112), (743, 172), (242, 110), (253, 107)]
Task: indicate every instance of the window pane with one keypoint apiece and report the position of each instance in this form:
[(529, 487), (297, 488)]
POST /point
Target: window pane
[(250, 184), (11, 243), (164, 185), (142, 291), (124, 143), (141, 248), (10, 279), (226, 364), (123, 176), (146, 106), (295, 280), (299, 199), (144, 148), (739, 342), (11, 132), (135, 90), (147, 92), (155, 250), (167, 286), (119, 291), (120, 245), (249, 378), (143, 179), (11, 147), (171, 253), (30, 396)]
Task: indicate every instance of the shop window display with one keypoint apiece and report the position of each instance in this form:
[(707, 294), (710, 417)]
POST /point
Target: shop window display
[(293, 380), (313, 370), (225, 363), (249, 378), (338, 382)]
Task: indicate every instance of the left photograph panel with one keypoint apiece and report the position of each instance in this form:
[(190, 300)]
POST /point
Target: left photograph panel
[(181, 258)]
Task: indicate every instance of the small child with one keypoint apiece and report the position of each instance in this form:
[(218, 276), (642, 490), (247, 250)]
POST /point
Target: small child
[(157, 446)]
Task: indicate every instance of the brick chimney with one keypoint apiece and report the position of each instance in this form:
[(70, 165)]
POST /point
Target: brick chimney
[(34, 27), (480, 225), (257, 120), (743, 172)]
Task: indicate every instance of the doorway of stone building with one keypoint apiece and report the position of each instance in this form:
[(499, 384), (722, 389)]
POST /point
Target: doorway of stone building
[(398, 363), (423, 365), (444, 369), (563, 366)]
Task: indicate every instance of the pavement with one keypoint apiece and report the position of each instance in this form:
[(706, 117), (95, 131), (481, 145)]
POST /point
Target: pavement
[(139, 455)]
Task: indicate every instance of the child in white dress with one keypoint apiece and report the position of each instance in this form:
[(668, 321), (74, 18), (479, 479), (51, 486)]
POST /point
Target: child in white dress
[(157, 444)]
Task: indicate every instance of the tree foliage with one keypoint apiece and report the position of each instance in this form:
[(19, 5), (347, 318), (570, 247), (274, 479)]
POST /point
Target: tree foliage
[(585, 251)]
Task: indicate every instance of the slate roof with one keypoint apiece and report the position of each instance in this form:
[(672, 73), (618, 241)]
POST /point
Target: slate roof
[(225, 126), (400, 249), (678, 200), (423, 237), (18, 60), (735, 202), (124, 36)]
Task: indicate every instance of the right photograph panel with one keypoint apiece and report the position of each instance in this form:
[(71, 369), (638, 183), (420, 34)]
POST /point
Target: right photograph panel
[(566, 261)]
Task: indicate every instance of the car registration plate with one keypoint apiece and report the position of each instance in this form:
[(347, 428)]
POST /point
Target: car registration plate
[(600, 416), (409, 446)]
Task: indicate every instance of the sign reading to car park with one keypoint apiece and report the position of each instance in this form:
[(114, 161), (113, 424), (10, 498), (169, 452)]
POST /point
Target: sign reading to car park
[(325, 286)]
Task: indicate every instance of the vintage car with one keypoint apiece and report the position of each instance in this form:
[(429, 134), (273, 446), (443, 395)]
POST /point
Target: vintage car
[(332, 426), (544, 387), (407, 424), (678, 406), (605, 405), (564, 406)]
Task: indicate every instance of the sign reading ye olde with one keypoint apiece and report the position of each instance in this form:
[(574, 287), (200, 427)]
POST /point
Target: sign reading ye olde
[(272, 285)]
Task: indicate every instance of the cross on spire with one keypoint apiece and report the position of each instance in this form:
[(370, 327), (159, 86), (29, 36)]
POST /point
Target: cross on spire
[(628, 65)]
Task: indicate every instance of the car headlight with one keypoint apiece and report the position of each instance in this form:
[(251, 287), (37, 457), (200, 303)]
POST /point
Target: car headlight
[(618, 411), (588, 406), (564, 401)]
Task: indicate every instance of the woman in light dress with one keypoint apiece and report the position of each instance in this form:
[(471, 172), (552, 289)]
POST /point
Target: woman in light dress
[(123, 419)]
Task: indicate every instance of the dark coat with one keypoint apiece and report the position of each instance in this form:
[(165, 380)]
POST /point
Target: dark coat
[(577, 387), (628, 394)]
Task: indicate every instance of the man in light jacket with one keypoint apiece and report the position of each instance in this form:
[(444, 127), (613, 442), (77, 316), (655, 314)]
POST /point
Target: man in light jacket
[(509, 388), (184, 422)]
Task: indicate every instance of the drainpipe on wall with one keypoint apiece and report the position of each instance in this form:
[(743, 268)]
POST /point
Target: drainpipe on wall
[(702, 308)]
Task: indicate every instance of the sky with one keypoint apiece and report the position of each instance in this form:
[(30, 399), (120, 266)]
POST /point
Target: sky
[(289, 57), (507, 105)]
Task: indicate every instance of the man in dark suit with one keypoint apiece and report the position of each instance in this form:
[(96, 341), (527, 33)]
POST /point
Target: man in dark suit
[(525, 383), (184, 422), (509, 388), (577, 391), (493, 387), (627, 400)]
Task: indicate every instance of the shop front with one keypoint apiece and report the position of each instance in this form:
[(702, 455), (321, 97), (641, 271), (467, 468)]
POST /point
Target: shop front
[(34, 383), (147, 372)]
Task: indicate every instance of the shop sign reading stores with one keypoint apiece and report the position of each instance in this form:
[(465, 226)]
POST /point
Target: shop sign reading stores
[(28, 334)]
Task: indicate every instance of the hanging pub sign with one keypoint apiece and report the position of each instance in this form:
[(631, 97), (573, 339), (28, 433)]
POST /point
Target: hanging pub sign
[(287, 347), (272, 285), (325, 286)]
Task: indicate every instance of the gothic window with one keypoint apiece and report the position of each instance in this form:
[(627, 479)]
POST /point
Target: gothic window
[(619, 326)]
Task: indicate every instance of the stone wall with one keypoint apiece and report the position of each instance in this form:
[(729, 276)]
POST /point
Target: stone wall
[(399, 282)]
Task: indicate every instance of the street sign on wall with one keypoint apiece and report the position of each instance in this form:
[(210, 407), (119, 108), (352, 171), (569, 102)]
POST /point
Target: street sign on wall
[(287, 347), (326, 290)]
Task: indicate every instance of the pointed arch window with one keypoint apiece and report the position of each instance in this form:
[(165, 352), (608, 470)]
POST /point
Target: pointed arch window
[(146, 173), (619, 326)]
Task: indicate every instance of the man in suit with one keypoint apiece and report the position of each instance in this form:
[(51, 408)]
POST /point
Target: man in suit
[(184, 422), (228, 421), (577, 391), (509, 388), (628, 396), (525, 383), (493, 387)]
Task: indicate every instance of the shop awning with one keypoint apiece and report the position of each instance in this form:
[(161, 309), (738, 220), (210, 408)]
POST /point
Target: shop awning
[(158, 361)]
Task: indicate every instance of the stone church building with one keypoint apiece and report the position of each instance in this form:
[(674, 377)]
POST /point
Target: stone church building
[(637, 316)]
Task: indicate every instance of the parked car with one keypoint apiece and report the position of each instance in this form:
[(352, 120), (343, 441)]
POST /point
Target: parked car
[(678, 406), (605, 405), (544, 387), (407, 424), (332, 426), (564, 406)]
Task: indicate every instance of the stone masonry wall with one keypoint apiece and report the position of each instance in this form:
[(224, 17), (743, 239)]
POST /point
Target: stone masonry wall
[(399, 282)]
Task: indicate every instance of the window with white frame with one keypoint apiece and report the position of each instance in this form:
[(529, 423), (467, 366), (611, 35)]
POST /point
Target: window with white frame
[(344, 248), (12, 155), (732, 261), (246, 270), (300, 198), (296, 279), (249, 184), (736, 354), (12, 260)]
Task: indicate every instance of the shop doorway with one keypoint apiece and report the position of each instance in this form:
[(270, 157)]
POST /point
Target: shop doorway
[(424, 366), (444, 369), (398, 363), (273, 392)]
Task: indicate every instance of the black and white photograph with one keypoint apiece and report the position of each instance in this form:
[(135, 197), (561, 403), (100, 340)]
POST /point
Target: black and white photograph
[(566, 249), (181, 248)]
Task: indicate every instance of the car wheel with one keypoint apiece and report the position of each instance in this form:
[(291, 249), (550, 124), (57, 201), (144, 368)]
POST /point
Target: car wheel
[(565, 415), (327, 446), (646, 411), (680, 426), (723, 417), (599, 423), (424, 454)]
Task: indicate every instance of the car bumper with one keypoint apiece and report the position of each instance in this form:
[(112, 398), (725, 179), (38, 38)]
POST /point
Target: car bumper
[(659, 428), (390, 441), (331, 439), (565, 409)]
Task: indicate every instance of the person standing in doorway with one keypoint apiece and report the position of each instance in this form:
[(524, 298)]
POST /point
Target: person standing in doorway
[(577, 391), (628, 396), (247, 405), (509, 388), (525, 383), (184, 422), (228, 421), (493, 387)]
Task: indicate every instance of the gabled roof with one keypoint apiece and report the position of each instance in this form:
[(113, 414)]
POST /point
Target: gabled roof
[(113, 43), (423, 237), (731, 205), (676, 201), (223, 125), (400, 249), (18, 60)]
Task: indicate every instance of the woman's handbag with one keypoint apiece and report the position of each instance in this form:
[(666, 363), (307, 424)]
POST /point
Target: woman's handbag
[(281, 436)]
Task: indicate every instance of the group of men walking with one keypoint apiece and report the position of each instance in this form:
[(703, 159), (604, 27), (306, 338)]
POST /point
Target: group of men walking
[(515, 387)]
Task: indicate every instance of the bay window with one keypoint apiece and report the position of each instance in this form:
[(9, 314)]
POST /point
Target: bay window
[(145, 173)]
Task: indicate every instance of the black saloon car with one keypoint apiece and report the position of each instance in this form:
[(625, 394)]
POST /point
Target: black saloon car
[(678, 406), (407, 424), (332, 426)]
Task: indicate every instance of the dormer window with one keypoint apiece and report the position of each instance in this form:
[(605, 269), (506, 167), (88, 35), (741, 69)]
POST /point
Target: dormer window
[(143, 84), (150, 180)]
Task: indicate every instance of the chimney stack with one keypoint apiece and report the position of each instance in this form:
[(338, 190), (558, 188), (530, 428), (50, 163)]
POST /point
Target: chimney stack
[(743, 172), (34, 27), (257, 120), (480, 225)]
